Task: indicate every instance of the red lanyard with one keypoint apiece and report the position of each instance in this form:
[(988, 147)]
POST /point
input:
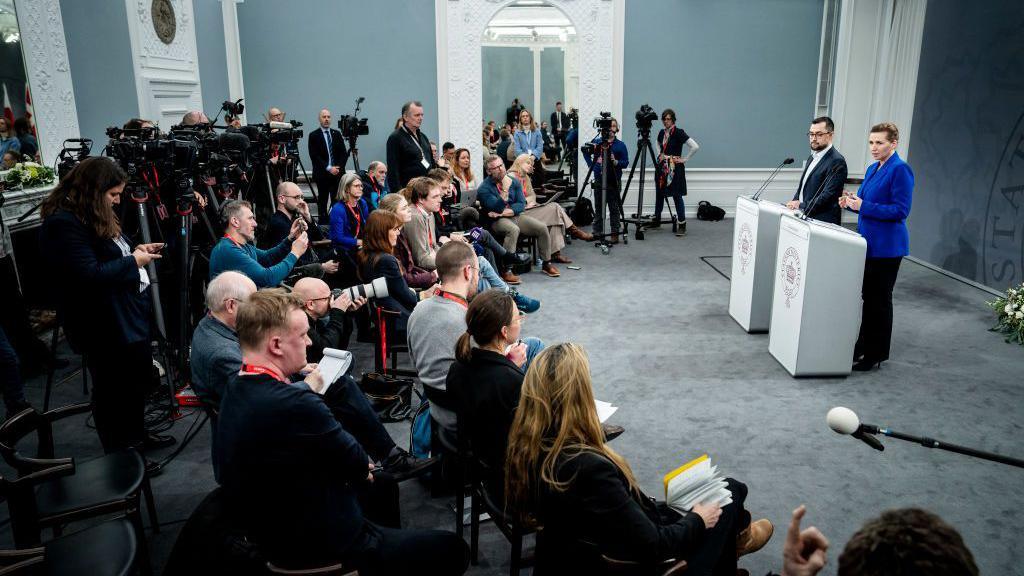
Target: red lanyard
[(453, 297), (358, 217), (233, 241), (373, 183), (257, 369)]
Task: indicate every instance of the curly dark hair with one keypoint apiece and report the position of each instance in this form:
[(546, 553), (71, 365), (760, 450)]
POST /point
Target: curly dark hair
[(907, 542), (82, 192)]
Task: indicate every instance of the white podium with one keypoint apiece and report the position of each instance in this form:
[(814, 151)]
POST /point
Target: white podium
[(816, 305), (754, 240)]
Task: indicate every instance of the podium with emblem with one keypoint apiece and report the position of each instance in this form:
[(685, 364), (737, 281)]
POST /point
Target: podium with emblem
[(816, 304), (754, 240)]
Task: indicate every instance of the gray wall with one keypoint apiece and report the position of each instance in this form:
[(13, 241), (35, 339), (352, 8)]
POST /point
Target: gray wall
[(740, 75), (507, 74), (213, 63), (967, 145), (100, 56), (12, 75), (321, 53), (552, 82)]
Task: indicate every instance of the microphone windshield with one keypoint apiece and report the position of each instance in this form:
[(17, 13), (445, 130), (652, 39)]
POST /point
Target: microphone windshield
[(280, 125), (843, 420), (788, 161)]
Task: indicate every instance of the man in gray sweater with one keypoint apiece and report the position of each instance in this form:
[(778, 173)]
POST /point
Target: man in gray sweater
[(437, 322)]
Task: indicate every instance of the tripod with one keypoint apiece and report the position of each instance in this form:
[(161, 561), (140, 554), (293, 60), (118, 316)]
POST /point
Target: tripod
[(644, 147), (604, 147)]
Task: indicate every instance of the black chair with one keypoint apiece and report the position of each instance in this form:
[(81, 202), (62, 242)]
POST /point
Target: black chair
[(107, 549), (618, 567), (52, 492), (51, 370), (509, 526), (328, 570), (453, 449)]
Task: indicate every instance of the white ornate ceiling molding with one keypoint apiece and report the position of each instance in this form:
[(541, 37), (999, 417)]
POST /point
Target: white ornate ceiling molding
[(461, 25), (46, 62), (166, 74)]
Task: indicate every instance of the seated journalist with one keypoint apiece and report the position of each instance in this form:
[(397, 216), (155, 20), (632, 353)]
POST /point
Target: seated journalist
[(290, 208), (290, 471), (237, 249)]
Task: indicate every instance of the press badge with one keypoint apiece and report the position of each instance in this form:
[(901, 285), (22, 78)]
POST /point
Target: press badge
[(425, 163)]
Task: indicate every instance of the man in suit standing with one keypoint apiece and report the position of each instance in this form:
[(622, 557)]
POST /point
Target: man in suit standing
[(512, 113), (559, 126), (328, 154), (821, 184)]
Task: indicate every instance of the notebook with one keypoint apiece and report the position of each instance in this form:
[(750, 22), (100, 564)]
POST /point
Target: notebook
[(334, 363), (695, 482)]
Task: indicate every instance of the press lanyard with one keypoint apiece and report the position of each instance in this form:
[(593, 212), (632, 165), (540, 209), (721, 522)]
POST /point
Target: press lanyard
[(257, 369), (453, 297), (358, 219), (233, 241), (415, 141)]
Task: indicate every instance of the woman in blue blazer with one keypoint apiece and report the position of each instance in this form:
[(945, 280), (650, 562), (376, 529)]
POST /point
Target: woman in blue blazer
[(883, 204), (528, 140)]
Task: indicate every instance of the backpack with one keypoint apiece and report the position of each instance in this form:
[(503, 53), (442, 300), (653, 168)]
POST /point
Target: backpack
[(708, 211), (419, 432), (583, 212), (390, 398)]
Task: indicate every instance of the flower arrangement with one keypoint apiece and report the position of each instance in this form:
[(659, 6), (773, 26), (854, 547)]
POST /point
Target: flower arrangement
[(1010, 314), (29, 175)]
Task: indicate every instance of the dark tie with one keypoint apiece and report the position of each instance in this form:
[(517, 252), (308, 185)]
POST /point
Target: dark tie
[(327, 138)]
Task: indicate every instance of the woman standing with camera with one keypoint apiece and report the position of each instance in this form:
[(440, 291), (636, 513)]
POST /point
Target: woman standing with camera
[(105, 303)]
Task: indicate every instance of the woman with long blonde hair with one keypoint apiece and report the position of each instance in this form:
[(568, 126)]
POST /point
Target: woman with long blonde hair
[(561, 476), (551, 214)]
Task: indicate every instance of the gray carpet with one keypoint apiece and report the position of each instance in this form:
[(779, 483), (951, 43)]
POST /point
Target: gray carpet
[(688, 380)]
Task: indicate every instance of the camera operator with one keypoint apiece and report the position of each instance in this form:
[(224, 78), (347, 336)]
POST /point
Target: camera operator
[(281, 153), (619, 158), (291, 208), (671, 179), (408, 148), (105, 308), (237, 250), (328, 154)]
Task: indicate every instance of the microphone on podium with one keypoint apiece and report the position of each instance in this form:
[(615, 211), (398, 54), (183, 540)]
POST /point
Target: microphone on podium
[(845, 421), (771, 177)]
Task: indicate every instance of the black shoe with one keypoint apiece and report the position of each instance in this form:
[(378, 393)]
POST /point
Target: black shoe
[(153, 468), (611, 431), (867, 364), (403, 465), (158, 441), (681, 228), (517, 258), (655, 223)]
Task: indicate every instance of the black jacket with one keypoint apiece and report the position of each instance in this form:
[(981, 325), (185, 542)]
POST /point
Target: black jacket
[(98, 299), (334, 334), (405, 157), (318, 151), (824, 187), (599, 508), (288, 469), (554, 123), (400, 297), (486, 393)]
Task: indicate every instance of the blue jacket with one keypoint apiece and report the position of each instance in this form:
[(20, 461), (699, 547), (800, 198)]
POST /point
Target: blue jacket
[(529, 143), (267, 268), (344, 228), (619, 153), (886, 195), (490, 199)]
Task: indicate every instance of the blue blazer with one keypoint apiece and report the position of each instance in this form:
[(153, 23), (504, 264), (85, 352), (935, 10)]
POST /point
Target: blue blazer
[(529, 142), (886, 196), (343, 225)]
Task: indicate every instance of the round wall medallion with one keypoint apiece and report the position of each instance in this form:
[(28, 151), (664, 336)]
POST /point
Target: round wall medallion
[(164, 21)]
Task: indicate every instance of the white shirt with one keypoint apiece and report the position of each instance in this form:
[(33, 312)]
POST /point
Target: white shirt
[(815, 160), (126, 250)]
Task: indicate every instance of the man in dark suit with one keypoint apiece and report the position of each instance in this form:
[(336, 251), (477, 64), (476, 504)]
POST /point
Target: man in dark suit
[(821, 184), (328, 153), (559, 126), (512, 113)]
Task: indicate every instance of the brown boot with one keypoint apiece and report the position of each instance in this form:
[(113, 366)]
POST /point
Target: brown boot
[(550, 270), (557, 257), (509, 277), (580, 234), (754, 537)]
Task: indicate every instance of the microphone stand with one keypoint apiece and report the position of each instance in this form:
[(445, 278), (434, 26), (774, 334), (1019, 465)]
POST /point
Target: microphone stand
[(768, 181), (866, 429)]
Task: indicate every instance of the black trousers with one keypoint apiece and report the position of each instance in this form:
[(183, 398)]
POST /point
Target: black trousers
[(326, 188), (121, 374), (717, 552), (386, 551), (612, 204), (876, 319), (351, 408)]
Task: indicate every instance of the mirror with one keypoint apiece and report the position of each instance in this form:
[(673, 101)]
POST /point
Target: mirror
[(17, 128), (530, 60)]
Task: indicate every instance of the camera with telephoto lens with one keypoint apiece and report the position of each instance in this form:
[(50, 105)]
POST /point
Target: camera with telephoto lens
[(645, 116), (376, 289)]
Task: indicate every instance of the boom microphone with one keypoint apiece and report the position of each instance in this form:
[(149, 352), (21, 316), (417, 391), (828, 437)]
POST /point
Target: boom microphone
[(845, 421)]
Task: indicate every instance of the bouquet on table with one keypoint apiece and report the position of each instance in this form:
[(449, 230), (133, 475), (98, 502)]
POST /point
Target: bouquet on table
[(28, 175), (1010, 314)]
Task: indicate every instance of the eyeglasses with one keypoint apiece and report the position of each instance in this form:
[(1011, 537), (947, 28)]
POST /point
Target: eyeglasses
[(294, 197), (328, 297), (817, 134)]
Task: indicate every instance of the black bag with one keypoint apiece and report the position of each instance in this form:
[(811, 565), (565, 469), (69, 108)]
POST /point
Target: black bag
[(583, 212), (391, 398), (708, 211)]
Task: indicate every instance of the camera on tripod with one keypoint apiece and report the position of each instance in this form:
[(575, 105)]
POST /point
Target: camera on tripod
[(70, 156), (574, 118), (351, 126), (604, 122), (233, 109), (262, 136), (645, 116)]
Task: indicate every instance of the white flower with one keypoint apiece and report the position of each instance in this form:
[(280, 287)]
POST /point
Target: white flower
[(1008, 309), (1019, 314)]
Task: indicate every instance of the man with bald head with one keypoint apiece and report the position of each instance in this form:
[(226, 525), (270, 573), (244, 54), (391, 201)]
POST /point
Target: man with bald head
[(319, 304), (328, 154), (291, 207), (216, 356), (194, 117)]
